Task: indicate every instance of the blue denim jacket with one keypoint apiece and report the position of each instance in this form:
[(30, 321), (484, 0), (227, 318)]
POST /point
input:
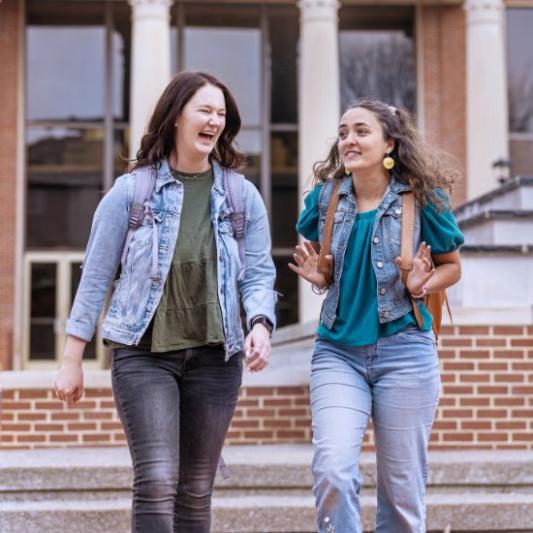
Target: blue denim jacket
[(136, 294), (393, 301)]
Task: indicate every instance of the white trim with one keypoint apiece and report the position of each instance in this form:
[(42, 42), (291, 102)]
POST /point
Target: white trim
[(63, 261), (44, 379)]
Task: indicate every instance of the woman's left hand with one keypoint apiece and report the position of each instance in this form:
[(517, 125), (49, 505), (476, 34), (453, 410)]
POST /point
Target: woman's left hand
[(423, 269), (257, 348)]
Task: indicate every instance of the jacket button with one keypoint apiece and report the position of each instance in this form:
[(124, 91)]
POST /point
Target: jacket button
[(398, 210), (375, 240), (379, 264), (382, 290)]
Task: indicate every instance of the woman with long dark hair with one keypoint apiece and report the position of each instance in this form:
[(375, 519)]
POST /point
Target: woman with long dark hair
[(375, 355), (174, 321)]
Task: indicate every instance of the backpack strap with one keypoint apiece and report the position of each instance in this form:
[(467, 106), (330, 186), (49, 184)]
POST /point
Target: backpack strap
[(406, 247), (145, 178), (233, 185), (325, 266)]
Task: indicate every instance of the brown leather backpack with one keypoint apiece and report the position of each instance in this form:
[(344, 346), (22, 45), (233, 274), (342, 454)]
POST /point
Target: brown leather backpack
[(435, 300)]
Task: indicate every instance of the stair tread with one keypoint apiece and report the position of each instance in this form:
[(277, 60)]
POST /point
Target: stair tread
[(301, 499)]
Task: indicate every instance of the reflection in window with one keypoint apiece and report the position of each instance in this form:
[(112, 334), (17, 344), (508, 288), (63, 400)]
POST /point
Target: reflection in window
[(43, 311), (520, 79), (65, 72), (284, 154), (233, 56), (64, 184), (378, 64), (520, 61), (283, 25)]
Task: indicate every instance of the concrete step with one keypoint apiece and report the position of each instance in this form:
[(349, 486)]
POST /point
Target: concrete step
[(88, 490), (272, 513), (280, 466)]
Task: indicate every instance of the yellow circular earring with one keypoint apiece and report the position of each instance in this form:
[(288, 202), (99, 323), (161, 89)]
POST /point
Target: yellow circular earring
[(388, 162), (346, 171)]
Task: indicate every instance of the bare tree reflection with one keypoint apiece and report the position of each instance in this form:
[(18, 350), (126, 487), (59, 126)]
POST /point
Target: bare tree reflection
[(378, 65), (521, 102)]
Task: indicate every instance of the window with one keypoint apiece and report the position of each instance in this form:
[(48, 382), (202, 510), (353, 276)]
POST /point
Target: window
[(253, 50), (377, 55), (77, 60), (520, 78)]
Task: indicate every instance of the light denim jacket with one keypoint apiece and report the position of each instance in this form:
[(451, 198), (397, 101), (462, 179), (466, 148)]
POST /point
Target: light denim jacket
[(393, 301), (136, 294)]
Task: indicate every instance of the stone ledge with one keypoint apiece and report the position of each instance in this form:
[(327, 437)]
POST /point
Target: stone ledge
[(463, 511), (281, 465)]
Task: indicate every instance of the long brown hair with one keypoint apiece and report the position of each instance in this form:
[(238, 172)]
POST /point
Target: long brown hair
[(425, 169), (158, 142)]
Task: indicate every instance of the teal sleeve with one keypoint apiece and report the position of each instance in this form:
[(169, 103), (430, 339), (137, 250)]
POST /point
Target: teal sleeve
[(439, 227), (307, 225)]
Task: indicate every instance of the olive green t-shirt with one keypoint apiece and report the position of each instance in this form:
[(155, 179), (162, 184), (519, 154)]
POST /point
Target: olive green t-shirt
[(189, 313)]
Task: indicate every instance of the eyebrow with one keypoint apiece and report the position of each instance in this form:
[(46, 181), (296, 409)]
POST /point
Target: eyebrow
[(357, 124), (208, 106)]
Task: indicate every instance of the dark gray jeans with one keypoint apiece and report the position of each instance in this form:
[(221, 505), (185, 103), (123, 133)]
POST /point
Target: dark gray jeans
[(176, 408)]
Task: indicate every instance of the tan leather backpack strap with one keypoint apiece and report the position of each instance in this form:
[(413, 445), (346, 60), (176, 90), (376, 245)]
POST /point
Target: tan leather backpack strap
[(406, 246), (323, 265)]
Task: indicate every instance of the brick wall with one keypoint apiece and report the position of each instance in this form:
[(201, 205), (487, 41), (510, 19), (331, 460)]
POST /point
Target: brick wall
[(486, 402), (9, 74), (443, 47)]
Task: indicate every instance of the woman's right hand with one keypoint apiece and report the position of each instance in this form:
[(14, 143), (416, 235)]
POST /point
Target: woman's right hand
[(306, 259), (69, 380)]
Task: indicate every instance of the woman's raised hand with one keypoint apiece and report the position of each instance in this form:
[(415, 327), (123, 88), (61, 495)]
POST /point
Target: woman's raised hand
[(423, 270), (306, 259)]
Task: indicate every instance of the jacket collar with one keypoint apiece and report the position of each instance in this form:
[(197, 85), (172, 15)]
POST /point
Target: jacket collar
[(396, 187), (164, 176)]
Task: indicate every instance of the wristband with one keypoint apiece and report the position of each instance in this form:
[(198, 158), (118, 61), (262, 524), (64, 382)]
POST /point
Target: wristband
[(263, 320)]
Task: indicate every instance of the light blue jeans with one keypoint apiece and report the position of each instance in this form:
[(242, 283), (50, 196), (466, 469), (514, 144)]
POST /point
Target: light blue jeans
[(395, 382)]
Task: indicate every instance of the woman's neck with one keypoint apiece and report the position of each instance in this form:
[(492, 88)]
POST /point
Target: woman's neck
[(369, 189), (188, 165), (370, 186)]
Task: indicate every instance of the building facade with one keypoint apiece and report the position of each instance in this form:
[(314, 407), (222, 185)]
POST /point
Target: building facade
[(78, 79)]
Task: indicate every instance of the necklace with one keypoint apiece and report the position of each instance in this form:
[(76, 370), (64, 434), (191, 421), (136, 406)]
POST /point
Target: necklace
[(189, 177)]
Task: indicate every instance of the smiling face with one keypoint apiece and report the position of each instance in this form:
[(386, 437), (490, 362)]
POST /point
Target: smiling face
[(361, 143), (200, 124)]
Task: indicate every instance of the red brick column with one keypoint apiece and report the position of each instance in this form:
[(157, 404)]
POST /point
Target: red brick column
[(443, 35), (10, 66)]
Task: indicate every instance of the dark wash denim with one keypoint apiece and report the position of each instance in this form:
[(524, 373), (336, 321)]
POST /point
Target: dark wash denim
[(176, 408)]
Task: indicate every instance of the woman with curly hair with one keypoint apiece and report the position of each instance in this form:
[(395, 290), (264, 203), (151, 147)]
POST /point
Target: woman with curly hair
[(372, 358)]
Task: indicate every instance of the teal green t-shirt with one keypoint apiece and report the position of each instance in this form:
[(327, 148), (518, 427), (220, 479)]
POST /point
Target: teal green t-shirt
[(357, 322)]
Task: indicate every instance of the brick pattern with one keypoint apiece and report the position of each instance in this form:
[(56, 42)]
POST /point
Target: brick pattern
[(443, 47), (487, 388), (486, 403), (10, 11)]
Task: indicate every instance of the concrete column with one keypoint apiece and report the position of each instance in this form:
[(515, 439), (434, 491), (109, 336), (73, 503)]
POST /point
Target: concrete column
[(319, 104), (487, 111), (150, 62)]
